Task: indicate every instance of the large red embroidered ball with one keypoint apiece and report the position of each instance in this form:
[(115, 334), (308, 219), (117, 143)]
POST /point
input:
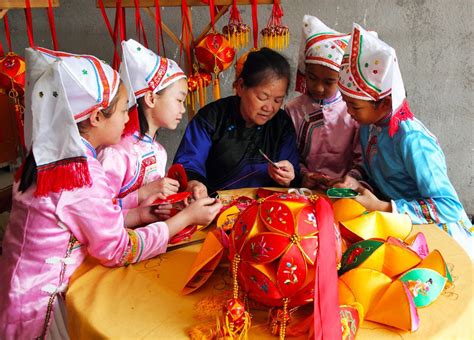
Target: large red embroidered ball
[(12, 73), (214, 53), (276, 242)]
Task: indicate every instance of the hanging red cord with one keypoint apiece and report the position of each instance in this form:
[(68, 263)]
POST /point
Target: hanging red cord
[(186, 34), (29, 23), (275, 34), (52, 26), (112, 33), (140, 30), (255, 23), (7, 32), (236, 31), (212, 14), (159, 28)]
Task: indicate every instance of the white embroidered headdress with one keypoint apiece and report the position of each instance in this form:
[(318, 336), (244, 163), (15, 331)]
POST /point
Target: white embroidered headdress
[(63, 89), (319, 45), (143, 70)]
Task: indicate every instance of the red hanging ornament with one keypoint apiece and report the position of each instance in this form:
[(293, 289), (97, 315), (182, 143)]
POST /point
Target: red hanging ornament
[(275, 254), (214, 55), (276, 35), (236, 31)]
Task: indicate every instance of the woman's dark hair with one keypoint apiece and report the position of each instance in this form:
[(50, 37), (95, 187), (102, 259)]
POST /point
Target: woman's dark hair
[(264, 65), (28, 169), (144, 127)]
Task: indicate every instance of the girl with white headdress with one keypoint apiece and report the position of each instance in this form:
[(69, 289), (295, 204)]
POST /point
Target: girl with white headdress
[(327, 136), (401, 157), (63, 206), (136, 165)]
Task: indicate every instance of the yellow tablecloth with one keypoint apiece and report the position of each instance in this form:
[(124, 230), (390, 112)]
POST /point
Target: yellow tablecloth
[(143, 301)]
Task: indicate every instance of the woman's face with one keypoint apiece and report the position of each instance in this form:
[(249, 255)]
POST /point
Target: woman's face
[(260, 103)]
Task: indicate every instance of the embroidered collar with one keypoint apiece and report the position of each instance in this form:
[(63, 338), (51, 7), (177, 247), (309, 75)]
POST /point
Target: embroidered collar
[(393, 119), (90, 148), (334, 99), (145, 138), (326, 102)]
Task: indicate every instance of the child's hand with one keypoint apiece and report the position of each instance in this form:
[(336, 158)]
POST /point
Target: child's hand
[(203, 210), (371, 202), (346, 182), (165, 185), (284, 174), (315, 180), (198, 189), (162, 211)]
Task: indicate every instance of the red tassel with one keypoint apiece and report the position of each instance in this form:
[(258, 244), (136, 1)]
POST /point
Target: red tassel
[(65, 174), (133, 123), (402, 113)]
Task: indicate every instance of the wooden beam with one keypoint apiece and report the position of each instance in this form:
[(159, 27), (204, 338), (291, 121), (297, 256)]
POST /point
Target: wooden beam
[(177, 3), (10, 4)]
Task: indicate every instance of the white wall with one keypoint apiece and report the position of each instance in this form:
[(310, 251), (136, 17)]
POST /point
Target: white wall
[(433, 39)]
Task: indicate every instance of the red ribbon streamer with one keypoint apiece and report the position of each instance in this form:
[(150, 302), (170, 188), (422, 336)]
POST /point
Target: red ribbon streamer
[(112, 33), (255, 23), (159, 28), (7, 32), (52, 26), (29, 23), (187, 33), (140, 30), (211, 11)]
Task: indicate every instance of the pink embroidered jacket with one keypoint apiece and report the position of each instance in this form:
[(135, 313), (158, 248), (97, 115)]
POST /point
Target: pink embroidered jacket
[(48, 238), (132, 163), (327, 136)]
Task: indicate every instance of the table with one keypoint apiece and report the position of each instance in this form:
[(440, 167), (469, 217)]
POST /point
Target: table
[(144, 301)]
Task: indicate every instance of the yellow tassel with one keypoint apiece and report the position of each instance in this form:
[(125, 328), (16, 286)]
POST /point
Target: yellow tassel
[(216, 87), (201, 92)]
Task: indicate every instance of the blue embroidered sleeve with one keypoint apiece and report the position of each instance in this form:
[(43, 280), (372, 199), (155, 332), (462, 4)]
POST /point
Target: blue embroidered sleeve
[(425, 163), (194, 149)]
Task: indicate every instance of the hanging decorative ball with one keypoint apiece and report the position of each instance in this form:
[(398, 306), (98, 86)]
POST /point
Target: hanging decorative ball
[(236, 31), (274, 251), (237, 34), (12, 73), (277, 241), (214, 53)]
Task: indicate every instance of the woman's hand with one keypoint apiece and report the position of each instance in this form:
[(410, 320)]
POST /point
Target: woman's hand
[(371, 202), (198, 189), (315, 180), (165, 185), (284, 174)]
